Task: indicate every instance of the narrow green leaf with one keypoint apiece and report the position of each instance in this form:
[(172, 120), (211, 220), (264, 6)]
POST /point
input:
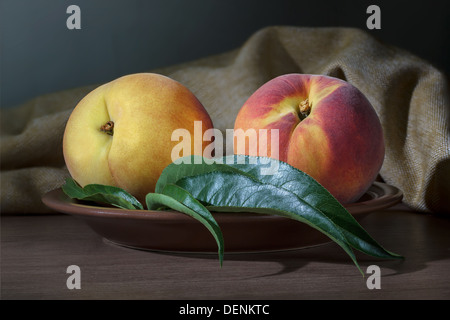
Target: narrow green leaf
[(178, 199), (230, 189), (100, 193)]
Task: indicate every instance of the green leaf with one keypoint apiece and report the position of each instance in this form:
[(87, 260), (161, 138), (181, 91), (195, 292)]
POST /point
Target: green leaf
[(176, 198), (282, 176), (308, 189), (243, 184), (100, 193), (227, 189)]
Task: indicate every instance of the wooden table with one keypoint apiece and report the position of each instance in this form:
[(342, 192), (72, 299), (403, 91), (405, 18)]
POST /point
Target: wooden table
[(37, 250)]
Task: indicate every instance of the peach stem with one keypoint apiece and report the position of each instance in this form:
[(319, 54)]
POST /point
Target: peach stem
[(304, 108), (108, 128)]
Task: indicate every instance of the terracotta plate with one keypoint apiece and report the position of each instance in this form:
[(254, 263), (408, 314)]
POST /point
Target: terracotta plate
[(243, 232)]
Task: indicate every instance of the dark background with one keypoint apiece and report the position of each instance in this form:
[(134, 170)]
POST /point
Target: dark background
[(40, 55)]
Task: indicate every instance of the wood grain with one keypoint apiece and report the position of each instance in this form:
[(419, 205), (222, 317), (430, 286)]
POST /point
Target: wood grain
[(36, 251)]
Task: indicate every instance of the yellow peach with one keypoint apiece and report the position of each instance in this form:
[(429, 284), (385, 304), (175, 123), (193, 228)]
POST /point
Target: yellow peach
[(120, 133)]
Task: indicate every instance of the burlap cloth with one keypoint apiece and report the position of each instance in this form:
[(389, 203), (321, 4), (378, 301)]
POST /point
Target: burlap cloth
[(410, 96)]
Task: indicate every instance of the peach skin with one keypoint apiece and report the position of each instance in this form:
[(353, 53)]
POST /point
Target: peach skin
[(327, 129), (120, 133)]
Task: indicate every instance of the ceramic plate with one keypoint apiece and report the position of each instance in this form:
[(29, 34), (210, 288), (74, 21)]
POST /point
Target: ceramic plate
[(243, 232)]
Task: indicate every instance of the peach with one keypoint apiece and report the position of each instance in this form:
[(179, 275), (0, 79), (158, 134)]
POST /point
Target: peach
[(120, 134), (327, 128)]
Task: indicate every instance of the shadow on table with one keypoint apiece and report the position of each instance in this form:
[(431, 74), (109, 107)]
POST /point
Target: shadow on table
[(420, 238)]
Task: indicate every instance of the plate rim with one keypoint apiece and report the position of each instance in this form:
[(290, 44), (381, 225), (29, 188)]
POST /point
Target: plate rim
[(57, 200)]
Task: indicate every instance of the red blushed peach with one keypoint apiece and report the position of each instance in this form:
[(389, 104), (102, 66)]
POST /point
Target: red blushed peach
[(327, 129)]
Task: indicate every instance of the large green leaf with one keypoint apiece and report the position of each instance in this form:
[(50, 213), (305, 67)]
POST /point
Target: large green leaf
[(233, 190), (308, 189), (282, 175)]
